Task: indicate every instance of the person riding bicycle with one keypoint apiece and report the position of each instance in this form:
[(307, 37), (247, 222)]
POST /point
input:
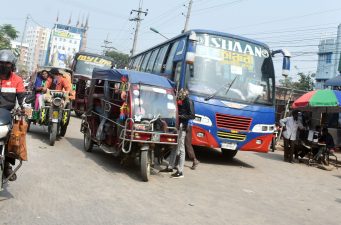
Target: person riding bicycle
[(11, 90)]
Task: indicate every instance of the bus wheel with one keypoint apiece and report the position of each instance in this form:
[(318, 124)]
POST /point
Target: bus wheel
[(229, 154)]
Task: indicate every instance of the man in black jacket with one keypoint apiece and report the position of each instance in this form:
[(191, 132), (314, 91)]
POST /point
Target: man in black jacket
[(186, 113)]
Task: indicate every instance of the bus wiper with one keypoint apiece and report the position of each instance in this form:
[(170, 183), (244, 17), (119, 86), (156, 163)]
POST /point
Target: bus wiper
[(225, 86)]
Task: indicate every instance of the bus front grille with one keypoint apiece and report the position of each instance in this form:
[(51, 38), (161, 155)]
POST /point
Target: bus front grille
[(231, 136), (230, 122)]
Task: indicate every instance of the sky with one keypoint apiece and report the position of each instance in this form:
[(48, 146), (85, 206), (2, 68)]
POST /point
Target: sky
[(296, 25)]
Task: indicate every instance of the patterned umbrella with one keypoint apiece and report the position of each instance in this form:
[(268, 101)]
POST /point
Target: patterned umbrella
[(321, 100)]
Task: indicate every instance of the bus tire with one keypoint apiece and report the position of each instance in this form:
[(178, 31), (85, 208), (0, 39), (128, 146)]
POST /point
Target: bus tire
[(145, 165), (229, 154)]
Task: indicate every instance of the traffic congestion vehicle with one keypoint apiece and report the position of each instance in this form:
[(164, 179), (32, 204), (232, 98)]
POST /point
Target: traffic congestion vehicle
[(132, 115), (82, 67), (231, 81), (56, 111)]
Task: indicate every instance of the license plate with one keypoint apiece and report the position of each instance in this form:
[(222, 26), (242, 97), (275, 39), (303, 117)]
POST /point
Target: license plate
[(230, 146), (156, 137), (54, 120)]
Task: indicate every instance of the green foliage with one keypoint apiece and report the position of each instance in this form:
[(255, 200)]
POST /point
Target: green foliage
[(121, 60), (304, 83), (7, 33)]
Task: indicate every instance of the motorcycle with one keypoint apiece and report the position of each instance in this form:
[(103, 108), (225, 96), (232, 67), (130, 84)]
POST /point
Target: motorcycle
[(55, 115), (5, 130)]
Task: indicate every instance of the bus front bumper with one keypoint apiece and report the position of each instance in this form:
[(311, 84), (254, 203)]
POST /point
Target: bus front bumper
[(202, 137)]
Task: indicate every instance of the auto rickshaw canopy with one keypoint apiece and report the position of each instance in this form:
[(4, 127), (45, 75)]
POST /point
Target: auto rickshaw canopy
[(134, 77)]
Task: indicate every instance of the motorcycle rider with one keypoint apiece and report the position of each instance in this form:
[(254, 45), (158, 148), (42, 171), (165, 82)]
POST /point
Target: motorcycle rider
[(11, 90)]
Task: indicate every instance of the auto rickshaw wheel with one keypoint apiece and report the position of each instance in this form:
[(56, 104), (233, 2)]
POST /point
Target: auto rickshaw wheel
[(145, 165), (88, 142), (78, 114), (53, 133)]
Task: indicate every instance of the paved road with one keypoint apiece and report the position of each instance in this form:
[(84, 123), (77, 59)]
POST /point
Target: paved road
[(65, 185)]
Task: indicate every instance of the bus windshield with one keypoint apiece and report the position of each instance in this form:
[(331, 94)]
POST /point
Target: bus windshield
[(85, 64), (150, 102), (231, 69)]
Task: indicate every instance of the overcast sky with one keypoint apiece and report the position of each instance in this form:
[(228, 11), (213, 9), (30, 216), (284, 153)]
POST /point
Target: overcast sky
[(296, 25)]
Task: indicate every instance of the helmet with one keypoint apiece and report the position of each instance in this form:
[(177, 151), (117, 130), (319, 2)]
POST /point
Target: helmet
[(7, 55)]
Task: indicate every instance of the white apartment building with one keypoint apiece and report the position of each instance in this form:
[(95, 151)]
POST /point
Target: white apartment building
[(37, 38)]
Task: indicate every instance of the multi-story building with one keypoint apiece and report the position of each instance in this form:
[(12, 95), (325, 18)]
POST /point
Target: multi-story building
[(65, 41), (22, 50), (37, 38), (328, 59)]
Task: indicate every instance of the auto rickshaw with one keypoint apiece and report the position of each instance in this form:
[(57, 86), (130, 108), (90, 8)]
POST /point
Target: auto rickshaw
[(132, 115), (55, 114)]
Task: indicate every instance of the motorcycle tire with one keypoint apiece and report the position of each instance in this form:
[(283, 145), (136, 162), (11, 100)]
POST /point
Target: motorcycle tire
[(53, 133)]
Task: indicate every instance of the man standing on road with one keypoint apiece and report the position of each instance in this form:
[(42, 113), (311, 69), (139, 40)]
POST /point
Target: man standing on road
[(290, 124), (11, 90), (188, 140), (186, 113)]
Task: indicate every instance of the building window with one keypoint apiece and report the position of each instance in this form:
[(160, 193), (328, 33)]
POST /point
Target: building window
[(328, 57)]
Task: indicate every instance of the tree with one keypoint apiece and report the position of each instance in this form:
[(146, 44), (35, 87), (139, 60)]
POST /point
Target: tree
[(287, 82), (7, 33), (304, 83), (121, 60)]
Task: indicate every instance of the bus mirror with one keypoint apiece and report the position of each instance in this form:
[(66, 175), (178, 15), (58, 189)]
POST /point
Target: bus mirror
[(286, 66), (190, 56), (193, 37)]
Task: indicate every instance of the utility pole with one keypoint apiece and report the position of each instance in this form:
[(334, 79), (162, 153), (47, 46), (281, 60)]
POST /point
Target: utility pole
[(106, 43), (138, 20), (23, 35), (188, 15)]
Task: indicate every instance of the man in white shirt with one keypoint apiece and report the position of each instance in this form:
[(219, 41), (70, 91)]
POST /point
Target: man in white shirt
[(290, 124)]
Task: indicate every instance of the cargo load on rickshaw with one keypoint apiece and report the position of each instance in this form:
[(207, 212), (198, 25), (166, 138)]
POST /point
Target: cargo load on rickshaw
[(131, 115)]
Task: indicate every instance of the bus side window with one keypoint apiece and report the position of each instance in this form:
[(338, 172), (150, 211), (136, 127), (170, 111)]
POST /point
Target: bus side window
[(152, 60), (136, 61), (160, 59), (177, 72), (131, 63), (138, 65), (145, 62), (170, 57)]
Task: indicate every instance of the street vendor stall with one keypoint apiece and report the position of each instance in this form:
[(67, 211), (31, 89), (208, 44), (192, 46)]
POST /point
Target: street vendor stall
[(323, 105)]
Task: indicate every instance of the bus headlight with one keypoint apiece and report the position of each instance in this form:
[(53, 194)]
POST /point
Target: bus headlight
[(204, 120), (263, 128)]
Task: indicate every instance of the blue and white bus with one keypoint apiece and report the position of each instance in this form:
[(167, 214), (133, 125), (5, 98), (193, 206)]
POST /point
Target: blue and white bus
[(231, 80)]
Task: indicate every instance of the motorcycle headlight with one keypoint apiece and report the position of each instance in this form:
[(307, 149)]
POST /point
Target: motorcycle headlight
[(57, 102), (4, 129)]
